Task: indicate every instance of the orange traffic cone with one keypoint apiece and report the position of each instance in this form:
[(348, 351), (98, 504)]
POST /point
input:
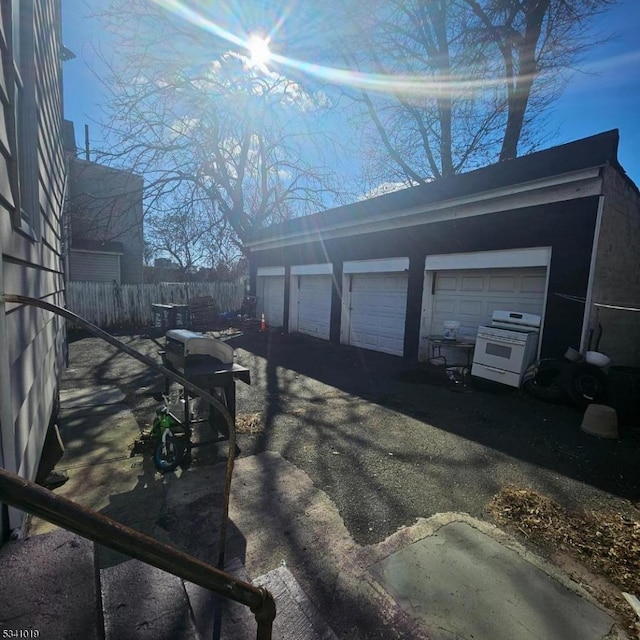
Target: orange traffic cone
[(263, 324)]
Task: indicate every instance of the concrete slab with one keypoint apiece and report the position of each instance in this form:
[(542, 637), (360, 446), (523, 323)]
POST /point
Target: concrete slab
[(236, 622), (90, 397), (461, 584), (140, 601), (284, 517), (49, 586), (103, 475), (97, 435), (297, 617)]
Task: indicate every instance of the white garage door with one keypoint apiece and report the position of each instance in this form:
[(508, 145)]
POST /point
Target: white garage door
[(378, 308), (471, 296), (94, 267), (273, 303), (314, 305)]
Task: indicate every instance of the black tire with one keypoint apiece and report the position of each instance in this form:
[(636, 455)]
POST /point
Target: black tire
[(541, 380), (584, 384), (168, 456)]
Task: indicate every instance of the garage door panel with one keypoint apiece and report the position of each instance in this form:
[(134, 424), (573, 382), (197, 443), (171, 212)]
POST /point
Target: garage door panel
[(503, 283), (479, 293), (499, 302), (445, 305), (524, 305), (472, 283), (390, 322), (314, 305), (273, 304), (471, 307), (447, 284), (378, 307), (533, 284)]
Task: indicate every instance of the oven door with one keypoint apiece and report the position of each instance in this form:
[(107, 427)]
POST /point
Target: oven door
[(499, 352)]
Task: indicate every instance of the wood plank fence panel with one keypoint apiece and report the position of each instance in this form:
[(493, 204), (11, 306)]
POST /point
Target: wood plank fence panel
[(129, 305)]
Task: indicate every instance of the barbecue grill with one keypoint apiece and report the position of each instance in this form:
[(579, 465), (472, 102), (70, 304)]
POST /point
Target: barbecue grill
[(209, 364)]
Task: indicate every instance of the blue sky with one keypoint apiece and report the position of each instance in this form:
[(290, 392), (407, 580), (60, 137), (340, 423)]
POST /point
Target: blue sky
[(607, 97)]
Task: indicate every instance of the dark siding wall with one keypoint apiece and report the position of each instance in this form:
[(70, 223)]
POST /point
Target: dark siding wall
[(33, 266), (567, 227), (287, 297), (336, 303)]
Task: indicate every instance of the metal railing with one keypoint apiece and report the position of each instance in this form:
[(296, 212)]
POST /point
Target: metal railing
[(39, 501), (45, 504)]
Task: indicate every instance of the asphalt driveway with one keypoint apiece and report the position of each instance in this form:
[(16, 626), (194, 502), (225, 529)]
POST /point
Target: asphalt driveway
[(388, 450)]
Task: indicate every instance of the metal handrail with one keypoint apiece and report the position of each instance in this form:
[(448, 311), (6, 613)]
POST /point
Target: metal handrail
[(30, 497), (49, 506)]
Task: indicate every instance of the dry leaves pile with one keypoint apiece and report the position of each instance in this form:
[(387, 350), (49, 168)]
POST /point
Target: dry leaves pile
[(607, 543), (249, 423)]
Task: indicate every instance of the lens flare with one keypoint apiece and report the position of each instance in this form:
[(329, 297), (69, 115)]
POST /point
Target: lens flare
[(383, 83), (259, 52)]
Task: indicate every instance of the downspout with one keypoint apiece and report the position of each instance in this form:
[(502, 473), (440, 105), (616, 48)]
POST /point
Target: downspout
[(66, 223), (586, 320)]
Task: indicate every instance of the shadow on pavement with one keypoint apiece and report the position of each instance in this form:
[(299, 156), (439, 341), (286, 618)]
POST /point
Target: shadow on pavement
[(501, 418), (385, 451)]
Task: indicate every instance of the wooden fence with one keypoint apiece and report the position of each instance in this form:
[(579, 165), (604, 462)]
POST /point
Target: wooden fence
[(129, 305)]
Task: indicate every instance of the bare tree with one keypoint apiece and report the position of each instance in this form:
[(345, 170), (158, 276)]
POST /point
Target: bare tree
[(467, 81), (538, 40), (191, 232), (219, 139)]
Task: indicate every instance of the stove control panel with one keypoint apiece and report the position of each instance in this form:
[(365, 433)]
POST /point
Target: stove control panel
[(515, 319)]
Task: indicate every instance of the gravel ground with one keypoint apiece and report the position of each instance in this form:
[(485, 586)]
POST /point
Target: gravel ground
[(388, 451)]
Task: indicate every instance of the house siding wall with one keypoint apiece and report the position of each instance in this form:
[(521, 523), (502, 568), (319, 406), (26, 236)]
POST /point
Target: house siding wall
[(617, 271), (567, 227), (35, 339)]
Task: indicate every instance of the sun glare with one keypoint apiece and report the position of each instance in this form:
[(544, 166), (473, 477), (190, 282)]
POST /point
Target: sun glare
[(258, 51)]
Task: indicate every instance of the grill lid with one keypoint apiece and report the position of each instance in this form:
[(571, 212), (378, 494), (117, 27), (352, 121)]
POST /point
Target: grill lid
[(184, 343)]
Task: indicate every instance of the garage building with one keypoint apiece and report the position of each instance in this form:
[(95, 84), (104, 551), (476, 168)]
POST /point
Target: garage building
[(555, 233)]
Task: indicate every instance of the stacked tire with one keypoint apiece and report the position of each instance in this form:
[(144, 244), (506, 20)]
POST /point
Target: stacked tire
[(541, 379), (557, 380)]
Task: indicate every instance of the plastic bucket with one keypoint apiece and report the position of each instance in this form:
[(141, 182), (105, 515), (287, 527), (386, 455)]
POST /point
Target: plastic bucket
[(573, 355), (598, 359), (451, 329), (600, 420)]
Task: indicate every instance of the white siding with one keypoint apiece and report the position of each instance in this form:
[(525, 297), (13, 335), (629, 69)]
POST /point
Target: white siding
[(31, 262)]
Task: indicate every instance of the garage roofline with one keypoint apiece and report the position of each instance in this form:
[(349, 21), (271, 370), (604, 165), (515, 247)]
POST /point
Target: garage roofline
[(555, 174), (580, 184)]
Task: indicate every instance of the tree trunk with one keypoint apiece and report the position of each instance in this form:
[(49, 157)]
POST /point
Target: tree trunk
[(522, 58)]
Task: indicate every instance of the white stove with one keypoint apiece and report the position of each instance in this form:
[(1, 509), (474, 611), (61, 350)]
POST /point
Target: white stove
[(507, 347)]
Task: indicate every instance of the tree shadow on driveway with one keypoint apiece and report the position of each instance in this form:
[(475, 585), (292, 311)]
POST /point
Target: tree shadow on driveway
[(350, 407)]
